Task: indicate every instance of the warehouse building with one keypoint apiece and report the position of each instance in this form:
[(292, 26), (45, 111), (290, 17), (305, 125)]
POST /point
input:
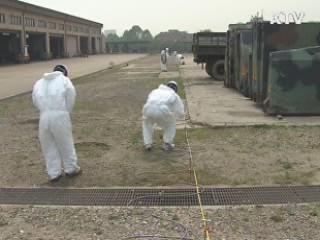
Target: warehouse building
[(29, 32)]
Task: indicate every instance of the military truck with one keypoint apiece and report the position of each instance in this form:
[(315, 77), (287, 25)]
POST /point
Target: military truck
[(209, 48)]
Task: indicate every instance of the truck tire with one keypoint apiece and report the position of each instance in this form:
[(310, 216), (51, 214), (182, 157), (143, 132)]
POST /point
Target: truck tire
[(217, 70), (209, 68)]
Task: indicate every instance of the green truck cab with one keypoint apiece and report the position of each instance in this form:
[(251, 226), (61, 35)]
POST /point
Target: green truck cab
[(210, 48)]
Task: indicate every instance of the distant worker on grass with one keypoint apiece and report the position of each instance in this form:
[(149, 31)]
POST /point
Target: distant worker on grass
[(180, 59), (164, 55), (162, 108), (54, 96)]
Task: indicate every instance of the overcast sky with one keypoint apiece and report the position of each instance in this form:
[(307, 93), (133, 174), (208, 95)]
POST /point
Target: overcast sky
[(184, 15)]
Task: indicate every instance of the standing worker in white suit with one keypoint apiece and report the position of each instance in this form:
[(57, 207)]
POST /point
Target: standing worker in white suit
[(162, 107), (164, 55), (54, 96)]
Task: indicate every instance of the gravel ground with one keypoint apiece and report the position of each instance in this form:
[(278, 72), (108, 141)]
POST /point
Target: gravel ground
[(253, 222)]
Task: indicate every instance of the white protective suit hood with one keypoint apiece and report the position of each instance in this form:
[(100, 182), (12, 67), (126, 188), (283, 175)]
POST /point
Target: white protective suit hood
[(54, 92)]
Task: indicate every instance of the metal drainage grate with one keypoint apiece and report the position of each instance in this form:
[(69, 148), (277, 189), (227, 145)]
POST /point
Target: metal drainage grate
[(160, 197)]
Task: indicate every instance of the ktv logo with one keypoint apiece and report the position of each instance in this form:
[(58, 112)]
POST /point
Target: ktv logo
[(286, 18)]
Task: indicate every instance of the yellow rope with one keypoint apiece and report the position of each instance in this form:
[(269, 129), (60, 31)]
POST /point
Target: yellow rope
[(205, 225)]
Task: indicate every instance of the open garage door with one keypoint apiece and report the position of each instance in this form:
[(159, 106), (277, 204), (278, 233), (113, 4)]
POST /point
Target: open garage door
[(84, 44), (9, 47), (36, 46), (93, 45), (56, 46)]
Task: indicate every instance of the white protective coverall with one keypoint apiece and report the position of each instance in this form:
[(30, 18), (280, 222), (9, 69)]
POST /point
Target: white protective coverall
[(179, 59), (164, 59), (162, 107), (54, 95)]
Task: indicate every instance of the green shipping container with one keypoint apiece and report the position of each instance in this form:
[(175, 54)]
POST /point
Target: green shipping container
[(269, 38), (294, 82), (232, 55)]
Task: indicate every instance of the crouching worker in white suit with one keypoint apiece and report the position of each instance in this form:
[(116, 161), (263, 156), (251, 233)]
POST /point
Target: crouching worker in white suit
[(162, 108), (54, 96), (180, 59)]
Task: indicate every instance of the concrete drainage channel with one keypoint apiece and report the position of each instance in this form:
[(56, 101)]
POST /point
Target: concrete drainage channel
[(160, 197)]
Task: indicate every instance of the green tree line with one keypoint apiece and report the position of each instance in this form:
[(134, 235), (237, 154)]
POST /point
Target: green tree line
[(139, 40)]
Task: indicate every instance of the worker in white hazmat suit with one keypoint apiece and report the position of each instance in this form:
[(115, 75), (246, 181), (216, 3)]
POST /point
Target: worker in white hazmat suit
[(163, 107), (54, 96), (180, 59), (164, 55)]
